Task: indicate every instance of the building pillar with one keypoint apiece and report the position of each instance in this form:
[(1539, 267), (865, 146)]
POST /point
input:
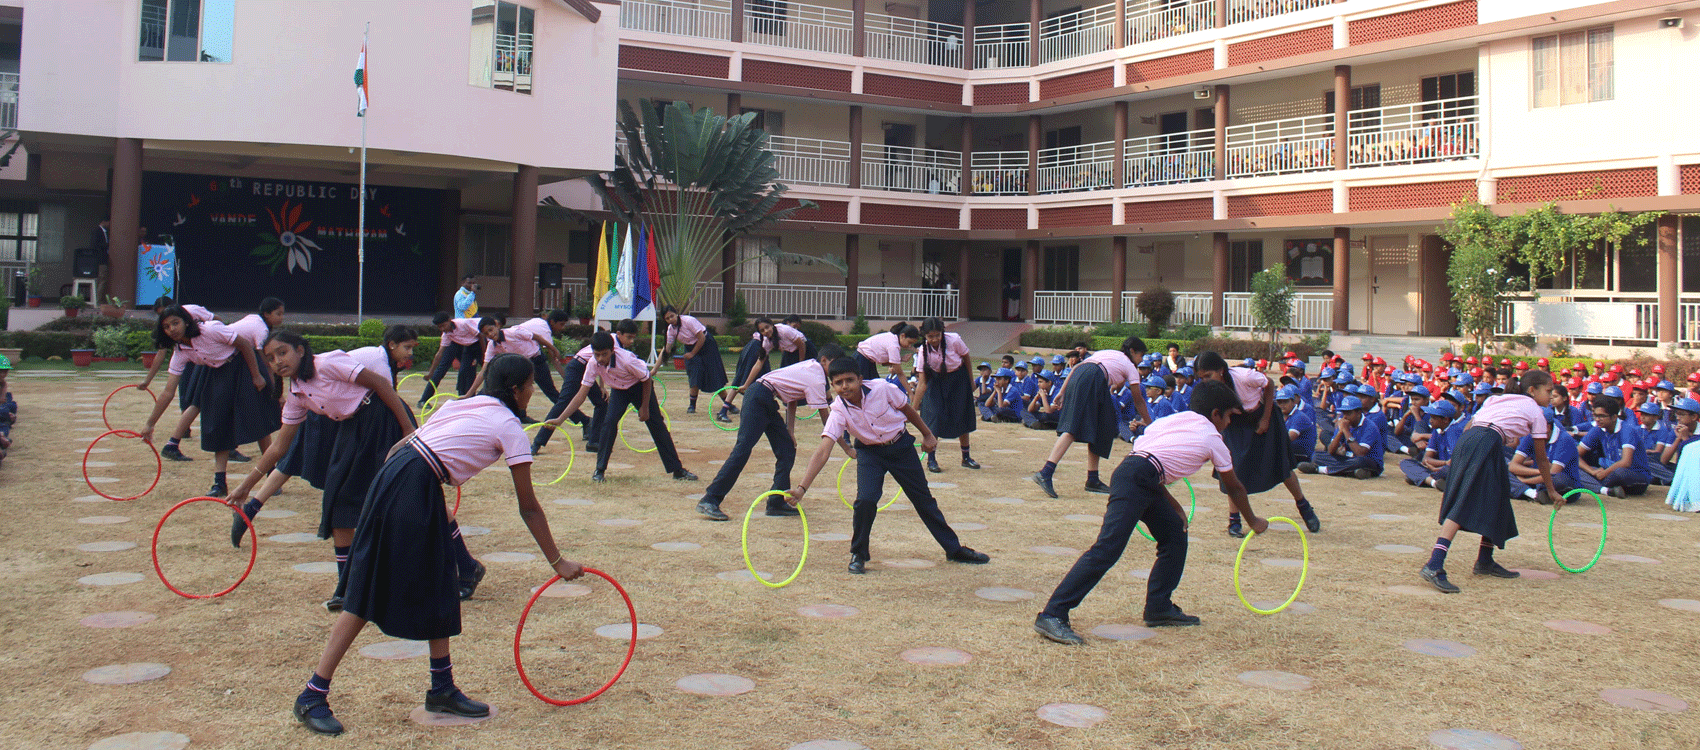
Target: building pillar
[(1118, 170), (126, 214), (1342, 277), (1669, 283), (963, 259), (1035, 15), (734, 104), (1221, 15), (966, 181), (1118, 35), (729, 273), (522, 271), (1118, 275), (1218, 278), (1029, 278), (1342, 112), (1034, 135), (737, 30), (855, 176), (853, 276), (968, 53), (859, 28), (1220, 115)]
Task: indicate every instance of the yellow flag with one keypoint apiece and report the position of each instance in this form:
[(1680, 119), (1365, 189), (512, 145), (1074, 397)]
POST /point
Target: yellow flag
[(600, 286)]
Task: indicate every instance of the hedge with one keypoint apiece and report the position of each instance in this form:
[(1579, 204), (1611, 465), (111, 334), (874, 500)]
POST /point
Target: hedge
[(44, 344)]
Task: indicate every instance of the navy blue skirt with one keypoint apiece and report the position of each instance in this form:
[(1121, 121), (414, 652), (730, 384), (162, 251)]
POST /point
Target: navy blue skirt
[(307, 457), (233, 412), (753, 357), (707, 373), (356, 448), (402, 574), (188, 386), (1261, 462), (1088, 410), (948, 405), (786, 359), (1475, 494)]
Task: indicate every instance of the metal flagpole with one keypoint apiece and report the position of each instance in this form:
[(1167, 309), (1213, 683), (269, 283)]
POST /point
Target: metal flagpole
[(360, 241)]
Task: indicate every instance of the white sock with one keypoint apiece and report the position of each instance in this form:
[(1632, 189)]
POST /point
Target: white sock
[(1529, 493), (1428, 482)]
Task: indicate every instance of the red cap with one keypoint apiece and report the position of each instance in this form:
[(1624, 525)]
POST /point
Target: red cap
[(1658, 369), (1542, 362), (1598, 365), (1378, 361), (1369, 357), (1505, 362), (1636, 372), (1263, 364), (1291, 355), (1617, 369), (1443, 375), (1470, 359), (1521, 365), (1446, 356), (1476, 373), (1639, 385), (1694, 377), (1575, 384), (1426, 367)]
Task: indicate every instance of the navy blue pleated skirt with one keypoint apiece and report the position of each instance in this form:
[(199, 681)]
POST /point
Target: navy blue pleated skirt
[(233, 411), (1088, 410), (307, 457), (356, 448), (754, 357), (402, 574), (1261, 462), (1476, 479), (706, 372), (948, 405)]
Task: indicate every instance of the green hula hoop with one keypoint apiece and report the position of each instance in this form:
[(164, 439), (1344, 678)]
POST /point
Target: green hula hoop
[(434, 403), (661, 385), (1303, 539), (746, 541), (812, 412), (719, 425), (847, 504), (667, 419), (1140, 527), (1597, 551), (572, 454)]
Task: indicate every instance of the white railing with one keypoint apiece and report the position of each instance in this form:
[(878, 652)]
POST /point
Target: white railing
[(1071, 169), (9, 100), (1611, 319), (914, 170), (807, 300), (800, 26), (1191, 308), (913, 40), (811, 161), (907, 303), (1311, 312), (1001, 45), (1412, 133), (706, 19), (1240, 11), (709, 298), (1293, 144), (1000, 172), (1688, 322), (1171, 159), (1161, 19), (1070, 307), (1079, 33)]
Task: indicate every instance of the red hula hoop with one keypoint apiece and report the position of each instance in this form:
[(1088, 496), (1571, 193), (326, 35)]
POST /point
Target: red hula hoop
[(630, 649), (253, 549), (114, 392), (456, 512), (158, 469)]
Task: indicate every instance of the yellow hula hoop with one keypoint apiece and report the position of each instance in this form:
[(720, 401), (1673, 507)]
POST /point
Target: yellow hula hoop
[(434, 403), (847, 504), (1304, 569), (572, 454), (405, 378), (746, 541), (664, 417)]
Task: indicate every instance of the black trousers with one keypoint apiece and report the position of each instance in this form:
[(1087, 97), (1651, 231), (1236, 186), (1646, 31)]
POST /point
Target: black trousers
[(761, 416), (619, 399), (542, 371), (900, 460), (463, 380), (574, 373), (1136, 494)]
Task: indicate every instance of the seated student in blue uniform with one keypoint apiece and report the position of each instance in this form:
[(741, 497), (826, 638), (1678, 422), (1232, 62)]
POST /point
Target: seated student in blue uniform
[(1041, 412), (1685, 414), (1655, 435), (1374, 416), (1020, 381), (1356, 448), (1570, 417), (982, 380), (1301, 426), (1330, 409), (1157, 403), (1611, 452), (1002, 402), (1408, 433), (1296, 371), (1566, 468), (1181, 399), (1430, 469), (1127, 414)]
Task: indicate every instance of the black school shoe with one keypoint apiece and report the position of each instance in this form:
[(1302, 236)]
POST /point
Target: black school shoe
[(173, 453), (324, 724), (218, 490), (453, 701), (858, 566), (780, 508), (686, 476), (969, 463), (238, 529), (712, 511), (1044, 484), (933, 464), (968, 556), (236, 457), (1492, 568), (1235, 530), (1171, 619), (1098, 487), (469, 584), (1057, 630), (334, 604), (1437, 578), (1312, 523)]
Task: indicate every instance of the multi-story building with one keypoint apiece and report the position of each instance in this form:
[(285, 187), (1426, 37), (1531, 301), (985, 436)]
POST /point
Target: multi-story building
[(1039, 161)]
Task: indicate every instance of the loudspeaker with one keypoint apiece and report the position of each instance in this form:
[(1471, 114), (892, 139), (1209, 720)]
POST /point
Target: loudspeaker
[(549, 276), (85, 263)]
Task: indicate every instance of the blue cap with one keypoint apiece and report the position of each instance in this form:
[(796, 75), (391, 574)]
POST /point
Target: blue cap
[(1346, 366), (1020, 365), (1047, 374), (1037, 361), (1422, 390), (1463, 378), (1287, 393), (1004, 372), (1612, 391), (1483, 389), (1350, 403), (1652, 408), (1295, 364), (984, 366), (1665, 385), (1441, 409), (1154, 382), (1251, 362), (1065, 372), (1146, 364), (1185, 372), (1594, 388), (1687, 404), (1327, 373), (1343, 377), (1056, 359)]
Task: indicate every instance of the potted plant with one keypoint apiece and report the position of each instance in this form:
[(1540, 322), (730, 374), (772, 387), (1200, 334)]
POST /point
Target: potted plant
[(72, 303), (113, 307), (82, 357), (33, 284), (583, 311), (111, 344)]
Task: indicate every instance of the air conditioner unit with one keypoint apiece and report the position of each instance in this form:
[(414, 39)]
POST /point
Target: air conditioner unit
[(1201, 94)]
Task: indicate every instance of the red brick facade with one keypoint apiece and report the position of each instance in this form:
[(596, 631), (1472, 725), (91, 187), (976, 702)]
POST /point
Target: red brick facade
[(1411, 22), (912, 88), (888, 214), (801, 76), (1001, 93), (1185, 63), (998, 218), (1076, 216), (1564, 186), (1281, 204), (1416, 195), (669, 61), (1077, 83), (1281, 45), (1158, 212)]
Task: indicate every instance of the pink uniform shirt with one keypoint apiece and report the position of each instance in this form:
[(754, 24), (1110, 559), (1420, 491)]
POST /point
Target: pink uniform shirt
[(1512, 415), (215, 346), (802, 381), (332, 391), (952, 354), (790, 339), (465, 332), (878, 420), (881, 348), (515, 340), (200, 314), (539, 326), (376, 359), (1182, 442), (471, 433), (253, 328), (1118, 369), (1249, 385), (687, 332), (624, 371)]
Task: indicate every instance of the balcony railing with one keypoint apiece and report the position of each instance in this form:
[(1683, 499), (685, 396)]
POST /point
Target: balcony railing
[(1071, 307), (1293, 144), (1161, 19), (912, 170), (1078, 33), (1413, 133), (1001, 45), (9, 100), (811, 161), (801, 26), (908, 303), (1606, 317), (1240, 11), (1171, 159), (707, 19), (1000, 172), (913, 40), (1071, 169), (813, 301), (1311, 312)]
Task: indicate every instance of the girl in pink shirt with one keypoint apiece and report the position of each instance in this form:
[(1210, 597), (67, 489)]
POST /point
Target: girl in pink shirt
[(1088, 411), (945, 390), (753, 362), (703, 366), (1258, 437), (793, 345), (237, 405), (519, 340), (459, 343), (402, 571), (886, 350)]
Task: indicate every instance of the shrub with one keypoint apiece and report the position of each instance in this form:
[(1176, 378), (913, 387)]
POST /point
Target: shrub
[(820, 334), (138, 342), (850, 340), (88, 324), (372, 328), (1053, 338), (44, 344), (738, 312), (1234, 350), (111, 341), (1156, 304), (861, 324)]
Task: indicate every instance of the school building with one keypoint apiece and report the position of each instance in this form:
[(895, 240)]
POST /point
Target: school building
[(996, 160)]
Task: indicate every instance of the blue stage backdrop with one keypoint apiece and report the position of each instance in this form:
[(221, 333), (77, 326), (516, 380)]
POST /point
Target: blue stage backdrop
[(240, 239)]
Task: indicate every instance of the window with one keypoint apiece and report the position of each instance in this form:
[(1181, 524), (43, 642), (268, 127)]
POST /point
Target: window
[(1690, 250), (1638, 261), (186, 30), (580, 246), (770, 120), (19, 227), (1444, 88), (1062, 268), (1245, 259), (755, 266), (484, 248), (1571, 68), (766, 16), (501, 46), (1367, 96)]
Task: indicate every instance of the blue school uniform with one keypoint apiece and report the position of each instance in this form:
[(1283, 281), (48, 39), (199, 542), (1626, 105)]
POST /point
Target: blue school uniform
[(1365, 434), (1606, 448), (1304, 424), (1560, 450), (1181, 399), (1441, 443), (1126, 412), (1653, 444)]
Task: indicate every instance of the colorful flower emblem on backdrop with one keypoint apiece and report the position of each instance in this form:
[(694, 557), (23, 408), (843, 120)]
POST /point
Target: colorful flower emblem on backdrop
[(285, 245)]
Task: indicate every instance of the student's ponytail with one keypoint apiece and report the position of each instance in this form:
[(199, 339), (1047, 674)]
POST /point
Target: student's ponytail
[(504, 375)]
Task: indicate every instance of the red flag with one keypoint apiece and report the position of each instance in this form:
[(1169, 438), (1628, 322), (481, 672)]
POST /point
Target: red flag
[(654, 266)]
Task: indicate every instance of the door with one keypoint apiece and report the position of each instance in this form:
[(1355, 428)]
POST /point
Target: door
[(1009, 307), (1173, 124), (1171, 264), (1393, 292), (1438, 316)]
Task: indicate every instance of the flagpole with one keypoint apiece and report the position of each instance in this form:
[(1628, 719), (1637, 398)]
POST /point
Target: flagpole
[(360, 241)]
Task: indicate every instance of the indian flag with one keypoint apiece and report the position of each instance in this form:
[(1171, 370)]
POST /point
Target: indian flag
[(360, 79)]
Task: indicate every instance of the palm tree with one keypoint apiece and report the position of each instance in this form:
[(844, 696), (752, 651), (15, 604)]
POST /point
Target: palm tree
[(697, 180)]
